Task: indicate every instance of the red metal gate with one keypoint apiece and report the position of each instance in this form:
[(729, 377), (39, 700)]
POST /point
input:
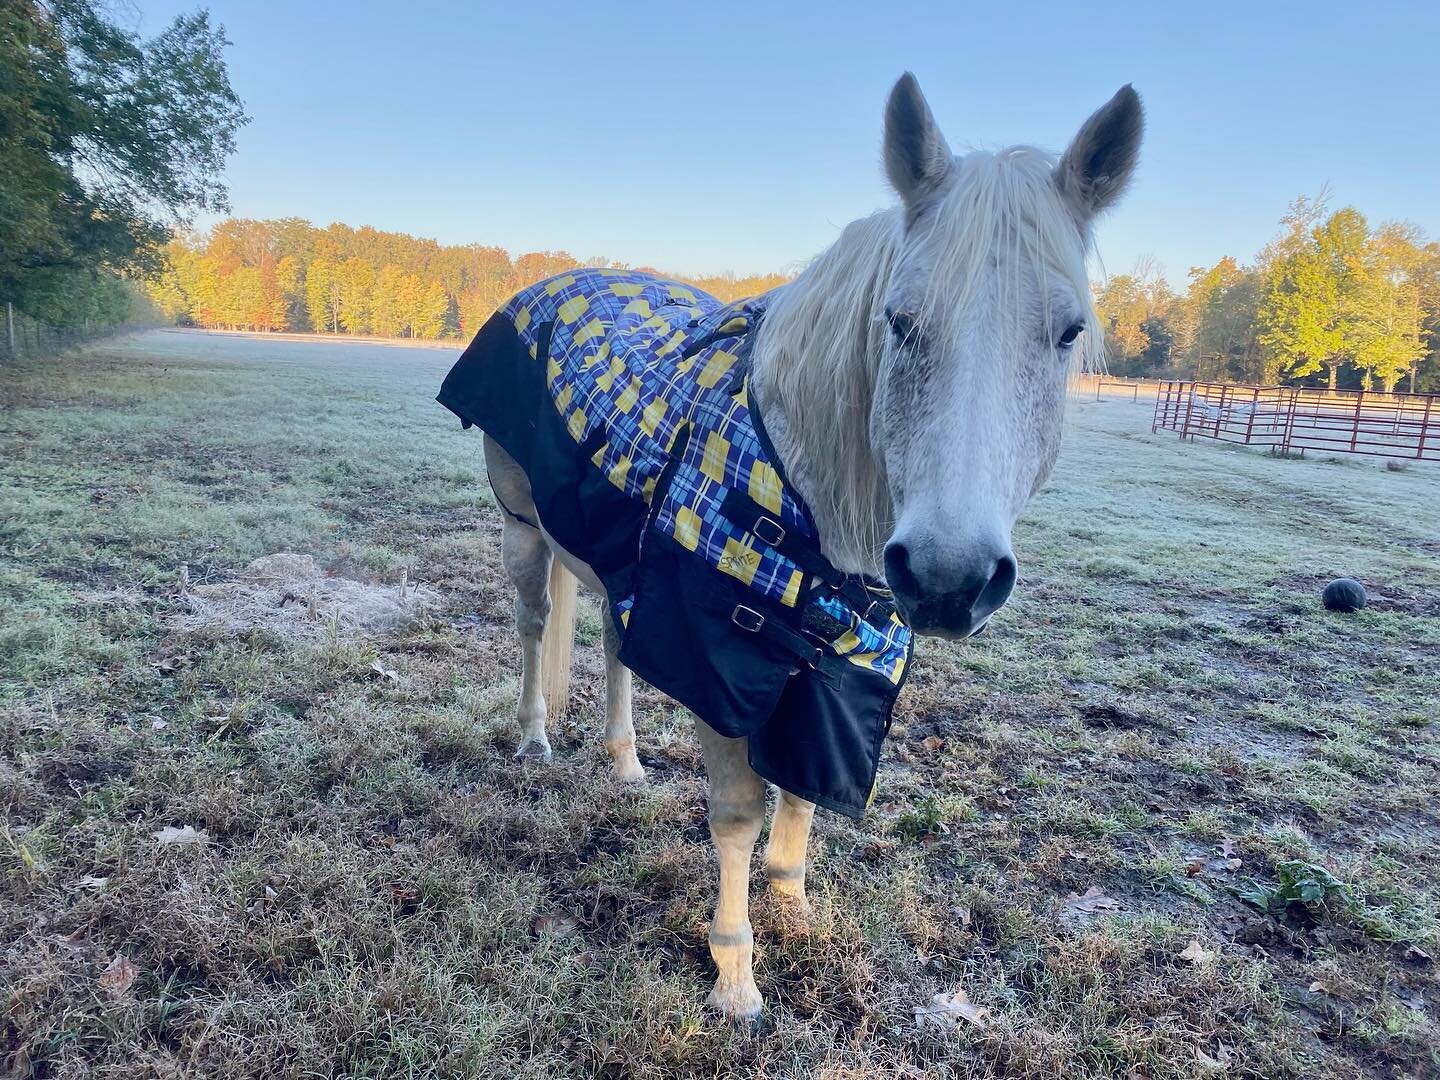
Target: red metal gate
[(1296, 418)]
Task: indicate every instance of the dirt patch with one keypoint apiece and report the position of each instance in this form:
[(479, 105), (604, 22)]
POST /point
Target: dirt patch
[(289, 595)]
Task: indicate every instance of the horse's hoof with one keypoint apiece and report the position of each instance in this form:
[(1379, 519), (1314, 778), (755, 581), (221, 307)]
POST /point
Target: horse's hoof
[(793, 907), (534, 750), (633, 775), (742, 1006)]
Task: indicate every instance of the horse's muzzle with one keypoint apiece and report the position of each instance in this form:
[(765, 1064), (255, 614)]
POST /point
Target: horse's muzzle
[(948, 601)]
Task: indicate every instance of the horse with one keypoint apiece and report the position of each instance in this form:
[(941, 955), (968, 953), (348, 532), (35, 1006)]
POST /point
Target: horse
[(912, 382)]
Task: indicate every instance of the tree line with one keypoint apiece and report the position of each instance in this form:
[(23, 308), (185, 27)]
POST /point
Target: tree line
[(1329, 301), (287, 274)]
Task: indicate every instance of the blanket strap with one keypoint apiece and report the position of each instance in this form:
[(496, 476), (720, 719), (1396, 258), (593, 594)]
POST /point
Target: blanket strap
[(804, 553)]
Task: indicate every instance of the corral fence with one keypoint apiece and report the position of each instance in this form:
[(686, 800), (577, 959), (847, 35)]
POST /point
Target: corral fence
[(1293, 419), (22, 336), (1114, 386)]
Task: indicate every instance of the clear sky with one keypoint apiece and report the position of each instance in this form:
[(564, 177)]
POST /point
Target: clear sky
[(742, 136)]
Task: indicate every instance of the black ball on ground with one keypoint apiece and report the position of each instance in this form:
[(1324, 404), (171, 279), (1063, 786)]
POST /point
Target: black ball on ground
[(1344, 594)]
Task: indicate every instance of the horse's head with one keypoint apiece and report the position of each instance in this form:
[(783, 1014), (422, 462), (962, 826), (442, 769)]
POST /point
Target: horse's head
[(988, 305)]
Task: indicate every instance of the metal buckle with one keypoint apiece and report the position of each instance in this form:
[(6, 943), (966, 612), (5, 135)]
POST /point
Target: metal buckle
[(763, 524), (747, 618)]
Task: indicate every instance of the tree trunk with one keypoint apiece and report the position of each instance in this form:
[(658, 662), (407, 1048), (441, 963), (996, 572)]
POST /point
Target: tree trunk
[(1333, 368)]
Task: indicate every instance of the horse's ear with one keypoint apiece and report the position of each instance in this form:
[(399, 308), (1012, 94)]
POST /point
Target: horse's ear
[(916, 157), (1094, 171)]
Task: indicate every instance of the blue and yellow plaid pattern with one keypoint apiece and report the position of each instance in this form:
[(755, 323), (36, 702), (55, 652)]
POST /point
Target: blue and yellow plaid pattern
[(632, 361)]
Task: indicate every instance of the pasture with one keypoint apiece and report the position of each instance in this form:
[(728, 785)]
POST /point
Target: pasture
[(1167, 818)]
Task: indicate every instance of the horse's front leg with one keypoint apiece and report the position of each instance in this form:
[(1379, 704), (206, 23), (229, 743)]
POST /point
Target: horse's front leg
[(619, 727), (737, 811), (785, 854)]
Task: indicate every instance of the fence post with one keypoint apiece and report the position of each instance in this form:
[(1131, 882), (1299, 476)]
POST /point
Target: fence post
[(1424, 425), (1254, 403), (1289, 423), (1355, 420)]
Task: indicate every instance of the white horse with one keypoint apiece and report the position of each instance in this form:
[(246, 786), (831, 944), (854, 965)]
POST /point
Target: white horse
[(912, 380)]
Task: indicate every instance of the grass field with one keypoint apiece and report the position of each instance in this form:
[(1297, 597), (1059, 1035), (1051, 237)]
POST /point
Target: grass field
[(1164, 713)]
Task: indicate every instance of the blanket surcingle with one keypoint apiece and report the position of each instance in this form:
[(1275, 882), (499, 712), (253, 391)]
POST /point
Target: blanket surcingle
[(624, 399)]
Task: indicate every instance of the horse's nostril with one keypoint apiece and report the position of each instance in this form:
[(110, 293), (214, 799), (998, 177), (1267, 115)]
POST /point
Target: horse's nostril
[(997, 590), (898, 574)]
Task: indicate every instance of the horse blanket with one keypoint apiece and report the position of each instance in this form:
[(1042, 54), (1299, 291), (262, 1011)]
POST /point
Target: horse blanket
[(624, 398)]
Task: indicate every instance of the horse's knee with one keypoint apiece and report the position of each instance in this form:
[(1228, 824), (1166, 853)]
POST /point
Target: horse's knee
[(737, 820)]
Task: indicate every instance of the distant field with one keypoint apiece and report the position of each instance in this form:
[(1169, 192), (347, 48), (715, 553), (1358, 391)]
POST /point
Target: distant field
[(1164, 712)]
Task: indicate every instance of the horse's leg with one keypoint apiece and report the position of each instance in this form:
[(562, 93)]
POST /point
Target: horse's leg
[(737, 810), (785, 854), (619, 728), (526, 557)]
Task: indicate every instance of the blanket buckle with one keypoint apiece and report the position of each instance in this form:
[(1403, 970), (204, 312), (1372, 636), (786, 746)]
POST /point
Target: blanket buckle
[(769, 530), (747, 619)]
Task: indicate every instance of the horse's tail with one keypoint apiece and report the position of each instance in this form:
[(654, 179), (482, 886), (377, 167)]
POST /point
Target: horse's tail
[(556, 645)]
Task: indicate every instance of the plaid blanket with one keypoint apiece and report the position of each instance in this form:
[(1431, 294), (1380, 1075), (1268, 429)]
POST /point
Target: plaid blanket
[(624, 397)]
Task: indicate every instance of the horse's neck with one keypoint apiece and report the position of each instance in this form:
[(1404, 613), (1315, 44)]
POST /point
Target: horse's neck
[(816, 359)]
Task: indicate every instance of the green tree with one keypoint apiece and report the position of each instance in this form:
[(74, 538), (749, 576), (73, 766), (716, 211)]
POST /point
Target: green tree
[(354, 284), (1387, 322), (389, 314), (106, 140), (322, 295), (431, 312)]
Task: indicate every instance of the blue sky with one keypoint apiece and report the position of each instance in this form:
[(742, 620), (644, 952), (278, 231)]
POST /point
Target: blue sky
[(742, 136)]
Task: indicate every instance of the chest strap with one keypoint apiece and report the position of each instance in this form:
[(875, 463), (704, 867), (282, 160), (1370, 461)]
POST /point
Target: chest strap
[(805, 553)]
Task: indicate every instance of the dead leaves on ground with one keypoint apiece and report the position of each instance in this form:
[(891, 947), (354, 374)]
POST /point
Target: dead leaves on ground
[(948, 1011), (1196, 953), (183, 836), (557, 924), (377, 670), (1093, 900), (119, 976)]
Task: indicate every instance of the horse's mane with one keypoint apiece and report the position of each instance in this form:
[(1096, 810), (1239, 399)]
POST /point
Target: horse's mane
[(821, 343)]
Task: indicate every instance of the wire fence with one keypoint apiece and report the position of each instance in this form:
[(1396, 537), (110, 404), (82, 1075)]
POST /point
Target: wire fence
[(1293, 419), (22, 337)]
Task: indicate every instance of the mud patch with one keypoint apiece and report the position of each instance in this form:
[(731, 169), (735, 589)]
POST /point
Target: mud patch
[(289, 595)]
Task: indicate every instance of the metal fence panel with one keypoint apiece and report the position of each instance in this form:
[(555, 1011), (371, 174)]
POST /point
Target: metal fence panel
[(1297, 418)]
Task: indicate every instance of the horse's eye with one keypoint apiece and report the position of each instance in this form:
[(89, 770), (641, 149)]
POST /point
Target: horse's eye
[(1068, 337), (902, 325)]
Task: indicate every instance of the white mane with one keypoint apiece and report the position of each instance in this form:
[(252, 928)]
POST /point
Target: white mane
[(819, 351)]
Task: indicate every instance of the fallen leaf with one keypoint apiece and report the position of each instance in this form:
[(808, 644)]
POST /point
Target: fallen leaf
[(116, 979), (1227, 847), (1093, 900), (1319, 987), (962, 912), (1195, 866), (89, 881), (947, 1010), (380, 671), (156, 724), (1415, 952), (932, 743), (1219, 1063), (559, 925), (1196, 953), (263, 902), (185, 835)]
